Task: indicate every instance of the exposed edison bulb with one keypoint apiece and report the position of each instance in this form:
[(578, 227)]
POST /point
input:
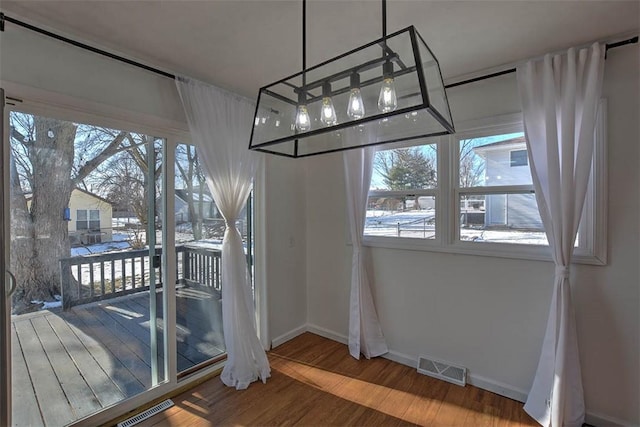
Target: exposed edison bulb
[(355, 109), (303, 123), (328, 115), (387, 101)]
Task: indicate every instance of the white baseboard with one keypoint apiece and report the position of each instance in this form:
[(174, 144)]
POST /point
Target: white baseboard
[(403, 359), (598, 420), (288, 336), (327, 334), (474, 380), (497, 387)]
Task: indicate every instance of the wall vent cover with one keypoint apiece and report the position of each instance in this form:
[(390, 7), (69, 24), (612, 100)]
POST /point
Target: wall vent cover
[(442, 370), (147, 414)]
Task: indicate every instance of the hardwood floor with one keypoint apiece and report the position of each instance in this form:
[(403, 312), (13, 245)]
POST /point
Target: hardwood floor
[(315, 382)]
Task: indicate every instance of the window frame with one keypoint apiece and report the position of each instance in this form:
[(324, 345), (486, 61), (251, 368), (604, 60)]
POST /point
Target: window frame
[(88, 220), (592, 241)]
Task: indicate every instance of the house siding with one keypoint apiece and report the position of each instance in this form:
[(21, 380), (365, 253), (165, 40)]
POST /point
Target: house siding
[(81, 200)]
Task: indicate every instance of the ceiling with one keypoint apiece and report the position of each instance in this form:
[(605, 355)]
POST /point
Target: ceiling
[(245, 44)]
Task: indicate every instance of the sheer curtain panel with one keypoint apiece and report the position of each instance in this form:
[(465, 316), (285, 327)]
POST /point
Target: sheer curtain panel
[(220, 125), (559, 96), (365, 333)]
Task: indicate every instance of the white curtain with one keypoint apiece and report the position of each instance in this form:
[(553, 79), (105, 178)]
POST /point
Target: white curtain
[(559, 96), (365, 333), (220, 125)]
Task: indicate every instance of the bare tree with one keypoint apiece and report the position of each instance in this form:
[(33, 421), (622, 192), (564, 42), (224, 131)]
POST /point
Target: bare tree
[(124, 177), (188, 166), (49, 158), (471, 165)]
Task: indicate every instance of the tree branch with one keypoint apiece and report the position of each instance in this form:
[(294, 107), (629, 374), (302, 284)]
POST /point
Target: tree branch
[(92, 164)]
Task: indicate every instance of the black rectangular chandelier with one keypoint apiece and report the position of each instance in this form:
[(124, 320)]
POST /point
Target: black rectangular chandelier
[(390, 90)]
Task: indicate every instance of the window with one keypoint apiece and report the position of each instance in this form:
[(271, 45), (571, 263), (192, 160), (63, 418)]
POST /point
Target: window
[(88, 219), (519, 158), (402, 199), (496, 202), (473, 193)]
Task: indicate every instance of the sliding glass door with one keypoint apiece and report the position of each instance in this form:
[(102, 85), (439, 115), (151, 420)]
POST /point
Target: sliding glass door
[(85, 324), (112, 253)]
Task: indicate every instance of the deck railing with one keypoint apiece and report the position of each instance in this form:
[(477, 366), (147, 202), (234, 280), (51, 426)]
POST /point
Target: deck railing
[(96, 277)]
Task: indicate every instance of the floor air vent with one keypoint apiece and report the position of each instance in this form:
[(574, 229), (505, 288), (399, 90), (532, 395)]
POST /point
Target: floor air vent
[(442, 370), (147, 414)]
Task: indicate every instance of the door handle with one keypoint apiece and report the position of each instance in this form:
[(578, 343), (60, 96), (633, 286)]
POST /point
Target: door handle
[(12, 283)]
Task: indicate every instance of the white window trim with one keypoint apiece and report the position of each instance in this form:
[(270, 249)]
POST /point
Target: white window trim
[(592, 247)]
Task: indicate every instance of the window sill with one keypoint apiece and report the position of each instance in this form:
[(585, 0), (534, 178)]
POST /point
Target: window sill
[(495, 250)]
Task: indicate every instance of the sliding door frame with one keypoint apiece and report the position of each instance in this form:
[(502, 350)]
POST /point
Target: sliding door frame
[(5, 299), (37, 101)]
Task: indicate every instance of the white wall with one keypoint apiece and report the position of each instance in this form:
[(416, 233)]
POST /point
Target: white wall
[(286, 261), (489, 314), (33, 66)]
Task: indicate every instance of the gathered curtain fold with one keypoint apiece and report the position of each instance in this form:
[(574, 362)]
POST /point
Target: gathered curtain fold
[(365, 333), (560, 96), (220, 127)]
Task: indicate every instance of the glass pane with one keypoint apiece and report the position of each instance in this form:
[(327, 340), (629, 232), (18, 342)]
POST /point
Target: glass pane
[(409, 216), (413, 168), (501, 218), (493, 161), (76, 348), (199, 231), (433, 79)]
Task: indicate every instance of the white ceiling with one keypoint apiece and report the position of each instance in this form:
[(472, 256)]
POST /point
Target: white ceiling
[(245, 44)]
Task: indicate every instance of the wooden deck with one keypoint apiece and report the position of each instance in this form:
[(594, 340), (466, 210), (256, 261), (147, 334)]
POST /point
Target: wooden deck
[(69, 364)]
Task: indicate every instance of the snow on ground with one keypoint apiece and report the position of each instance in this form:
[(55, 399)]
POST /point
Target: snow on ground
[(421, 224), (120, 241), (47, 305)]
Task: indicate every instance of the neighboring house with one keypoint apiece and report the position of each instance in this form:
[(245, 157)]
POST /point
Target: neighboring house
[(90, 218), (201, 203), (507, 163)]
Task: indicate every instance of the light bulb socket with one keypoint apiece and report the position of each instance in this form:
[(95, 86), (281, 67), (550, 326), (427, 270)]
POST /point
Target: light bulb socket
[(354, 82), (387, 70), (326, 89), (302, 99)]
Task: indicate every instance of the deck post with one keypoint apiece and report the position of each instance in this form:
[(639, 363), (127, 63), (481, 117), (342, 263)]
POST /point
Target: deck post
[(65, 283)]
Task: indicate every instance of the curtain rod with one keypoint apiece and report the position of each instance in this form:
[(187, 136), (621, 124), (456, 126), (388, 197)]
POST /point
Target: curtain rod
[(4, 18), (513, 70)]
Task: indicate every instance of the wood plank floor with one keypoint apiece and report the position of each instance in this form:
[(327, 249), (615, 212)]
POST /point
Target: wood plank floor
[(69, 364), (314, 382)]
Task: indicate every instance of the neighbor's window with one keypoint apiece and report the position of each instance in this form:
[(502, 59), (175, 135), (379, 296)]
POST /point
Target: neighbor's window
[(88, 219), (519, 158), (402, 196)]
